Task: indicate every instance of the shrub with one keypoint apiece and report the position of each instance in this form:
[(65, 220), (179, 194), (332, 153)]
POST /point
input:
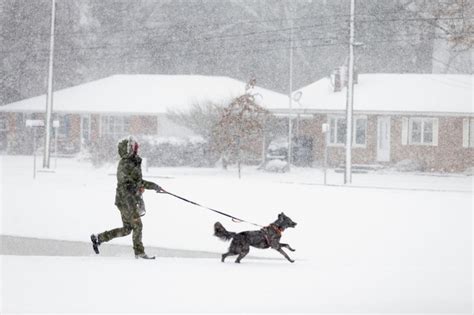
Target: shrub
[(409, 166)]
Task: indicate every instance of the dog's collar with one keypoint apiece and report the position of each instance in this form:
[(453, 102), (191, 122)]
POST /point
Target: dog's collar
[(274, 227), (278, 229)]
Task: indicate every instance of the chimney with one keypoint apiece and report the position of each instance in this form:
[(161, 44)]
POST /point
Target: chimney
[(336, 80)]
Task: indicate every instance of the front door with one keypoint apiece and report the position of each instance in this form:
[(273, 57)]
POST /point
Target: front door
[(383, 139)]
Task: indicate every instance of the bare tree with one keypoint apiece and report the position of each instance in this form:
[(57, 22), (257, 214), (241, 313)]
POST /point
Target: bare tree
[(240, 127), (200, 118), (453, 24)]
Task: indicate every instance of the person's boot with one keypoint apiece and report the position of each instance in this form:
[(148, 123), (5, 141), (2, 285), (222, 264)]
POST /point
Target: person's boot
[(95, 243), (144, 256)]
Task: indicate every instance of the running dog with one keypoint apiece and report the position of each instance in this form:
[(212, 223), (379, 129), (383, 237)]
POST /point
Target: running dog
[(266, 237)]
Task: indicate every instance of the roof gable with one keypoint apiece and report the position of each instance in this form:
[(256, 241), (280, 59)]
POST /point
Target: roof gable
[(434, 93)]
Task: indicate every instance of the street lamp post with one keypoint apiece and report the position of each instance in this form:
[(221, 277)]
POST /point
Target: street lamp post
[(49, 95), (290, 99), (350, 100)]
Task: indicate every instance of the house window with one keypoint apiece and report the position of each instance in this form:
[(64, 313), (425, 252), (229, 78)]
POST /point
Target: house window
[(3, 124), (337, 130), (360, 131), (422, 131), (337, 133), (64, 126), (20, 119), (468, 133), (115, 126), (86, 128)]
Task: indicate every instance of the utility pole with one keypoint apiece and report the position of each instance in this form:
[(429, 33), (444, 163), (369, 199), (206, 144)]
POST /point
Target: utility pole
[(290, 98), (49, 95), (350, 100), (325, 130)]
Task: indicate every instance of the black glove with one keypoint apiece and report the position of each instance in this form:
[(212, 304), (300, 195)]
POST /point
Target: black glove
[(158, 188)]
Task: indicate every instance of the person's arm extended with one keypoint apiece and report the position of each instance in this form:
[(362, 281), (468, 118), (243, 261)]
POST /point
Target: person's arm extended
[(150, 185)]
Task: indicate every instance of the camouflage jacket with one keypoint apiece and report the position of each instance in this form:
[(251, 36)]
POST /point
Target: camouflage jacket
[(129, 178)]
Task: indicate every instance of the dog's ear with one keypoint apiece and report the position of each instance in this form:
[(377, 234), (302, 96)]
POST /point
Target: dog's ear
[(282, 214)]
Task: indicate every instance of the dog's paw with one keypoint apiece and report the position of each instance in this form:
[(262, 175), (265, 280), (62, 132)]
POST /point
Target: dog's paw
[(292, 249), (292, 261)]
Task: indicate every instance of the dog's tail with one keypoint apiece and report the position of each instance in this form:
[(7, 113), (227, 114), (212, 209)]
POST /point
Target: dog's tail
[(222, 233)]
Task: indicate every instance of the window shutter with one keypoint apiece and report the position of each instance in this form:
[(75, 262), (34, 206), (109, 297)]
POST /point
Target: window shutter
[(465, 132), (471, 133), (435, 132), (404, 131)]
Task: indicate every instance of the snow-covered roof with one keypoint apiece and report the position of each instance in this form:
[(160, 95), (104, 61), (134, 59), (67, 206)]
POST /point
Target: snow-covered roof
[(156, 94), (399, 93), (146, 94)]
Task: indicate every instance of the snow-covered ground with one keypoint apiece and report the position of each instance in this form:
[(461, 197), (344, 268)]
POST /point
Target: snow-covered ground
[(388, 243)]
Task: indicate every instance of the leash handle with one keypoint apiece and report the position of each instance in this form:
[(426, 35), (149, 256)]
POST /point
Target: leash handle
[(217, 211)]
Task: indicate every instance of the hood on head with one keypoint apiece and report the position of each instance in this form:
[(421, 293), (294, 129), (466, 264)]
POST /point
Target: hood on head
[(126, 147)]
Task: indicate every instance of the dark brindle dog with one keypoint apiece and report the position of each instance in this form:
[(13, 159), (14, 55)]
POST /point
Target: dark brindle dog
[(266, 237)]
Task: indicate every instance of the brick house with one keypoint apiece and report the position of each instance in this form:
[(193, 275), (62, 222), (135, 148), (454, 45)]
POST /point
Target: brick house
[(426, 118), (120, 105)]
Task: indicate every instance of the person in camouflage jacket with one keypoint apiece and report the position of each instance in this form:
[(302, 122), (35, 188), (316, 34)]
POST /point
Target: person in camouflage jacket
[(128, 198)]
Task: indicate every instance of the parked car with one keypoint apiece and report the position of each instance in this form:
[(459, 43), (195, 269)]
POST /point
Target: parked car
[(302, 150), (278, 149)]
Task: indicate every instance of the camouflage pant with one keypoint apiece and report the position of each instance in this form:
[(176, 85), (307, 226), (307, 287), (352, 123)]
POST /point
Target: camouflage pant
[(131, 222)]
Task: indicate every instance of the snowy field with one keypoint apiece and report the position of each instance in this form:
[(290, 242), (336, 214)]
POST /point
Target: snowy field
[(388, 243)]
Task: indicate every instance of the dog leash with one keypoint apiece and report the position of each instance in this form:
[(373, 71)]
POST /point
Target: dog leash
[(235, 219)]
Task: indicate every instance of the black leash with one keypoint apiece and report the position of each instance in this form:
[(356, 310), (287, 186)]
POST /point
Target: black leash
[(217, 211)]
